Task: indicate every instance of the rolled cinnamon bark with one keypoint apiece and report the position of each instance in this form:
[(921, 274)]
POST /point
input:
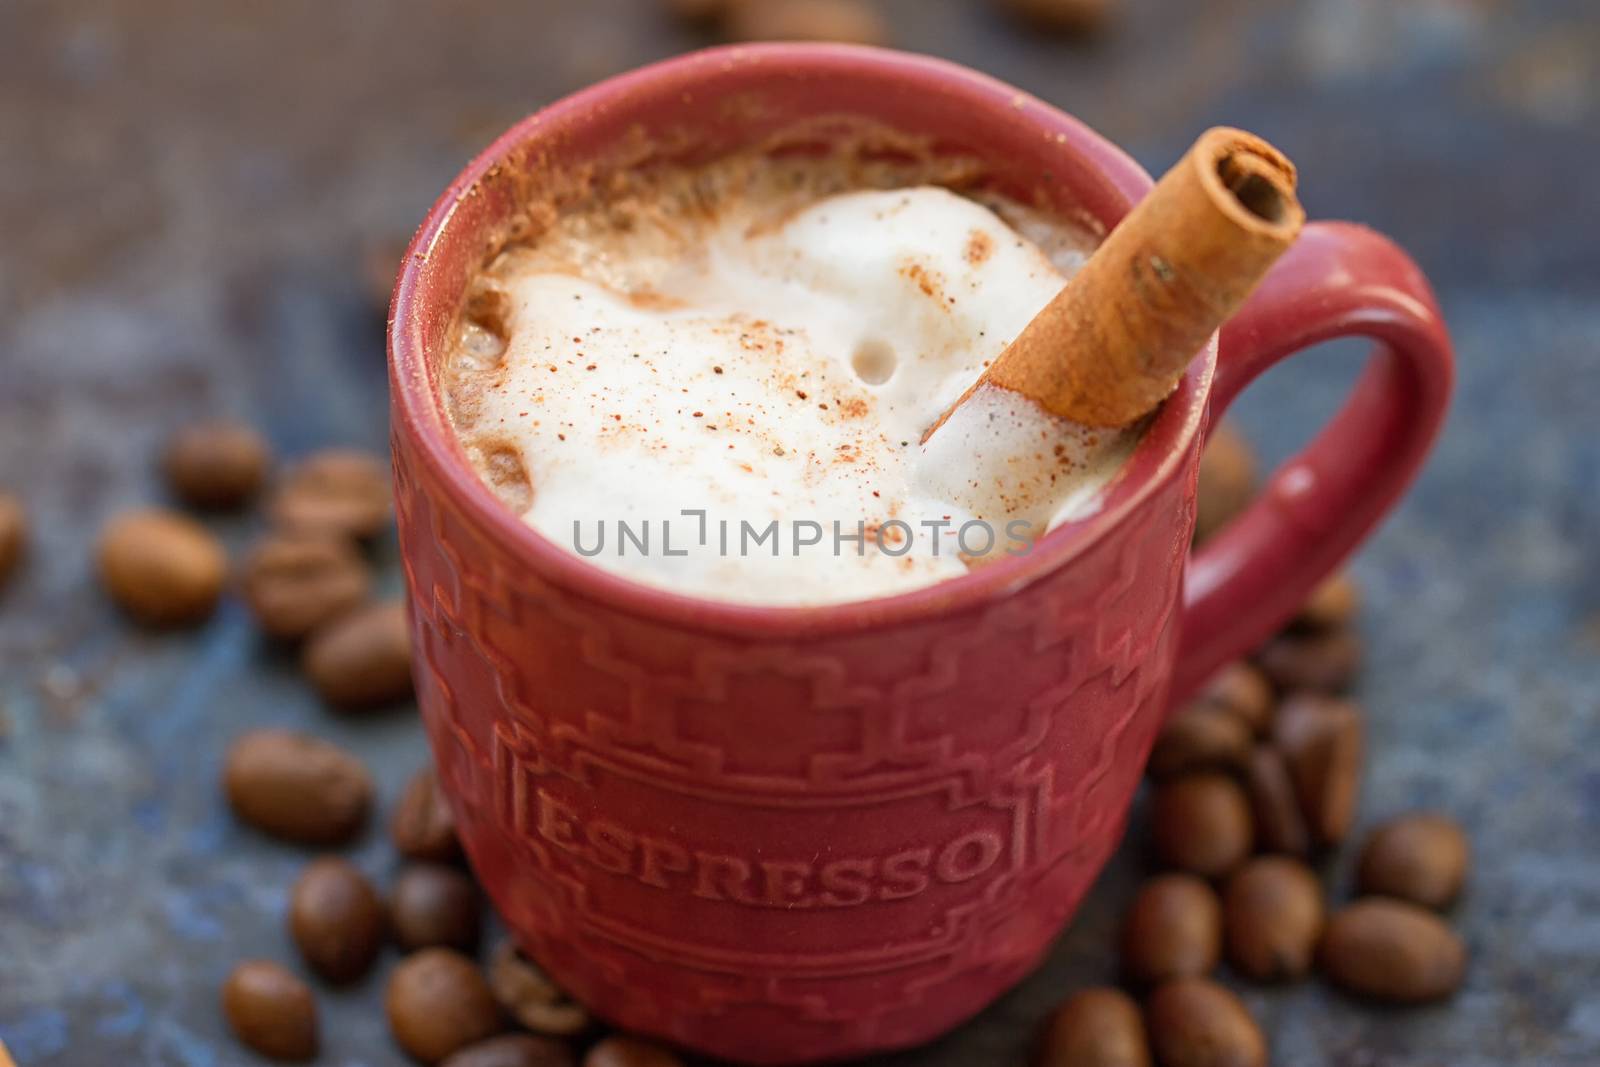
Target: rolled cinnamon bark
[(1115, 341)]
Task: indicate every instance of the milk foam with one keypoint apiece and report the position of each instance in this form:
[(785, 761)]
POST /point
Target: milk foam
[(771, 362)]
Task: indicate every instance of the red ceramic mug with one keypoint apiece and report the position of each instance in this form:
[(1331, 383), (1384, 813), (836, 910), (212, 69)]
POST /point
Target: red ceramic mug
[(791, 834)]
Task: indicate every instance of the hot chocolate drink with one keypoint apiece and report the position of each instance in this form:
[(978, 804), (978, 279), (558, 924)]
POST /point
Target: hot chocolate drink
[(717, 379)]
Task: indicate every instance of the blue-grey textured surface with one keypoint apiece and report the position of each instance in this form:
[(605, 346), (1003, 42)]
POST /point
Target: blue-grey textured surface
[(184, 190)]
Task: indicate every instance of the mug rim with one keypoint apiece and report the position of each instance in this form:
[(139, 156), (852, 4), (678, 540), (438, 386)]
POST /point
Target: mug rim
[(418, 408)]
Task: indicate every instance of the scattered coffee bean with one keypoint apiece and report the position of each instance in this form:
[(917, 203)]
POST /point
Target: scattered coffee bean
[(1172, 930), (270, 1010), (438, 1003), (515, 1050), (340, 492), (162, 568), (1227, 470), (1393, 951), (845, 21), (295, 583), (1095, 1028), (1280, 827), (1322, 741), (1202, 738), (296, 787), (531, 998), (1421, 858), (621, 1051), (432, 906), (1202, 824), (336, 919), (13, 535), (1061, 16), (1332, 605), (1194, 1022), (216, 466), (423, 827), (363, 660), (1243, 691), (1321, 662), (1274, 918)]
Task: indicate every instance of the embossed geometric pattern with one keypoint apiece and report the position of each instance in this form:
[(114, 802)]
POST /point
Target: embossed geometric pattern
[(825, 836)]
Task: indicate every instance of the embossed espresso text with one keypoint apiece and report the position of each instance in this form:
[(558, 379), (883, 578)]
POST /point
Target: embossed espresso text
[(770, 883)]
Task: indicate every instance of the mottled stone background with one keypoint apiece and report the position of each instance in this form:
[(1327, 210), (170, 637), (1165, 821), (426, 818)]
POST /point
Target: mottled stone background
[(185, 190)]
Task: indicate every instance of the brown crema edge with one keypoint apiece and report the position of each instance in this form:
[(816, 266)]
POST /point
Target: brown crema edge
[(635, 172), (657, 182), (1116, 340)]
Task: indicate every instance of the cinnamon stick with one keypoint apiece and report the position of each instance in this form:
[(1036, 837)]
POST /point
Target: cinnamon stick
[(1117, 338)]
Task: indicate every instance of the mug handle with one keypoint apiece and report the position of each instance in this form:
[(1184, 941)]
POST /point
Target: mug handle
[(1338, 280)]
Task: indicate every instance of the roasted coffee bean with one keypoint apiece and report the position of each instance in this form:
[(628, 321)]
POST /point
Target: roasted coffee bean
[(845, 21), (515, 1050), (1227, 476), (1244, 692), (1060, 16), (336, 919), (162, 568), (432, 906), (13, 535), (270, 1010), (1393, 951), (1172, 930), (1194, 1022), (216, 466), (1202, 824), (295, 583), (363, 660), (1321, 662), (531, 998), (1095, 1028), (621, 1051), (296, 787), (1421, 858), (438, 1003), (1333, 604), (423, 827), (338, 492), (1274, 918), (1280, 827), (1200, 739), (1323, 740)]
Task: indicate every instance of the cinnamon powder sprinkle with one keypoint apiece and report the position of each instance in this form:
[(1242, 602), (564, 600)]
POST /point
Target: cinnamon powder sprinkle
[(857, 450), (980, 246)]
